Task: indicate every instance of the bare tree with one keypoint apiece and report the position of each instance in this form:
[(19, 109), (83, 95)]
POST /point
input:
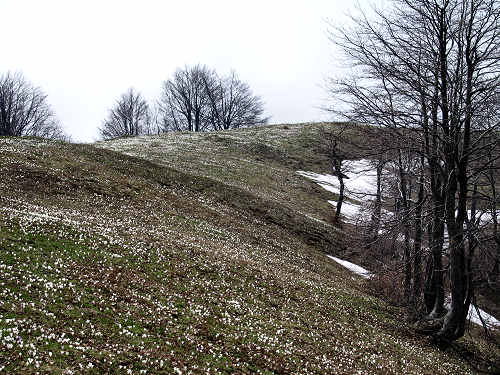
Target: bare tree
[(428, 72), (232, 103), (24, 110), (184, 101), (333, 144), (128, 118), (197, 99)]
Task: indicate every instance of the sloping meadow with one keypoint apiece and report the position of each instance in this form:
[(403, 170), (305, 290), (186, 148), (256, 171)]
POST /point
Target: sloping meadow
[(114, 264)]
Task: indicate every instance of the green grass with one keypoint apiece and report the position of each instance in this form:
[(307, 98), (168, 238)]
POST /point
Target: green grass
[(113, 264)]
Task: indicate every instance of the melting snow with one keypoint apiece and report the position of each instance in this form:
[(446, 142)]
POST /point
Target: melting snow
[(349, 210), (326, 181), (362, 183), (358, 270), (490, 320)]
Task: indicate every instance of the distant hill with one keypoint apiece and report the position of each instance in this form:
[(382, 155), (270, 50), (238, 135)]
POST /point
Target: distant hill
[(189, 254)]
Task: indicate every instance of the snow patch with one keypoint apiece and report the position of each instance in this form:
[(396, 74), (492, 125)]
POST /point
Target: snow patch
[(350, 210), (361, 182), (358, 270), (361, 179), (491, 321), (474, 316)]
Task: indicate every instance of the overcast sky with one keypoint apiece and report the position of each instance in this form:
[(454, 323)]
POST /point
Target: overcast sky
[(84, 54)]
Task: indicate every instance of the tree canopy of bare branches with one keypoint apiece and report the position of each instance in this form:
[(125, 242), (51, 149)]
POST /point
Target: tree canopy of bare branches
[(24, 109), (197, 99), (429, 70), (129, 117), (184, 100), (232, 104)]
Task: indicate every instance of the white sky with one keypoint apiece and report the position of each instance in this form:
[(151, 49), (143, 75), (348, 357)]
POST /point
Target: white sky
[(84, 54)]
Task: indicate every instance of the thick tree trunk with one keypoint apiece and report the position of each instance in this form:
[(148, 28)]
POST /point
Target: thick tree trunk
[(406, 229), (377, 210), (417, 248), (434, 291), (495, 270), (434, 288), (454, 320), (197, 121)]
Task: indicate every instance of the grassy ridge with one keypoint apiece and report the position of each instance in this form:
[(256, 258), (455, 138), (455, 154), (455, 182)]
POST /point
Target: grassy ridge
[(114, 264)]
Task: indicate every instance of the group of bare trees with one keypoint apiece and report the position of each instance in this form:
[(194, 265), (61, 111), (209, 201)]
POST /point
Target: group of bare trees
[(428, 72), (24, 109), (198, 99), (194, 99)]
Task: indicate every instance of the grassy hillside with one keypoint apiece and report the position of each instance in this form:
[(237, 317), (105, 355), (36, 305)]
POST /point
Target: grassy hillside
[(259, 160), (197, 254)]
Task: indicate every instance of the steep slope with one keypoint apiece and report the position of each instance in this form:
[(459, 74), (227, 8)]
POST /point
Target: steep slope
[(259, 160), (115, 264)]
